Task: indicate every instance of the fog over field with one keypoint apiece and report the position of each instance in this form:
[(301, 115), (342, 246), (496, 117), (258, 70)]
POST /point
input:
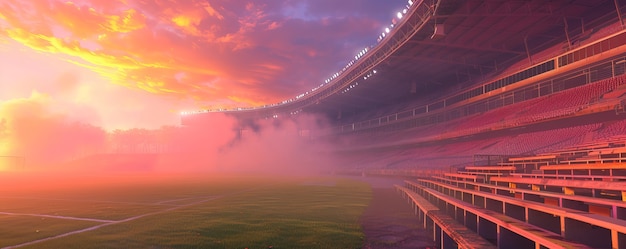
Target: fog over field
[(52, 140)]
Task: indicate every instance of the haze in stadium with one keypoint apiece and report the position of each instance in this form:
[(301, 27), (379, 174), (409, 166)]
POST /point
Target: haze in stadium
[(91, 95), (73, 71), (312, 124)]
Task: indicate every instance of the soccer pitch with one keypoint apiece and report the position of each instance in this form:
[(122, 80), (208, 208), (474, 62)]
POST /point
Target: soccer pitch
[(187, 212)]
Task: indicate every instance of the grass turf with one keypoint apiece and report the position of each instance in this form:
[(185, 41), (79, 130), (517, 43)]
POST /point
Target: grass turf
[(232, 212), (20, 229), (77, 208)]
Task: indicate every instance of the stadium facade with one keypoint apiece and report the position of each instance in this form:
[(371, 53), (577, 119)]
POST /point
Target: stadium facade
[(511, 116)]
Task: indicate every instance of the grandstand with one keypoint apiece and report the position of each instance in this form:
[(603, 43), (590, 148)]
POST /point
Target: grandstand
[(511, 116)]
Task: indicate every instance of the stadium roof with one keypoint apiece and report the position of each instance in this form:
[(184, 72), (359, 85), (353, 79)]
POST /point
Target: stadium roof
[(449, 44)]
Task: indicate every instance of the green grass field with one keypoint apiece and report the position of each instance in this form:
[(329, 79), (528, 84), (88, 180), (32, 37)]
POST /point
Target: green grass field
[(189, 212)]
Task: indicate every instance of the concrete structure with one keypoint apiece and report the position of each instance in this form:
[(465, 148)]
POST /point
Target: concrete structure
[(535, 211), (447, 232), (531, 93)]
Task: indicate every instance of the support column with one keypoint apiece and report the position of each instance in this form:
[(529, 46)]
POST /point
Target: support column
[(465, 217), (442, 235), (526, 214), (434, 231), (569, 42), (498, 236), (562, 218), (619, 13), (530, 58)]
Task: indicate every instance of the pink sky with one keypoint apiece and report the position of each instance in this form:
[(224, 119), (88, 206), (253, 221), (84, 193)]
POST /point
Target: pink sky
[(121, 64)]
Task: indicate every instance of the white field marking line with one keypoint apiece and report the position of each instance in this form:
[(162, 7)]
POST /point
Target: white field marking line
[(87, 201), (131, 218), (57, 217), (182, 199)]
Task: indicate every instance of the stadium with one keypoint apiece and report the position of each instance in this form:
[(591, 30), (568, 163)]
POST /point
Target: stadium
[(467, 124), (507, 117)]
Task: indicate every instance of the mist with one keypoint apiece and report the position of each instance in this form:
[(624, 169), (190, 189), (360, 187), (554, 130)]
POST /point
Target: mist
[(279, 146), (34, 138), (30, 130)]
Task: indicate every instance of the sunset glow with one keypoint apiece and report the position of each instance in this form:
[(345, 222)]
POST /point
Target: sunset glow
[(312, 124), (76, 71), (186, 54)]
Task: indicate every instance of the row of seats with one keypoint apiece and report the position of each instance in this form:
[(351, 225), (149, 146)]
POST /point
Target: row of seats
[(536, 142), (569, 101), (556, 105), (454, 153), (610, 129)]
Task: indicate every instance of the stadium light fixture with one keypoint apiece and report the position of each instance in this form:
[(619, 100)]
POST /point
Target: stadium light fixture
[(383, 34)]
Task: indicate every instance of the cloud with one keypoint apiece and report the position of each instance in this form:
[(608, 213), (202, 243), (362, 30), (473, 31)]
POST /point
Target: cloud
[(54, 139), (223, 145), (164, 56), (233, 53)]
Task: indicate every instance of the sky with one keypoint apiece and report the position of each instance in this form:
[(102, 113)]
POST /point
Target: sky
[(122, 64)]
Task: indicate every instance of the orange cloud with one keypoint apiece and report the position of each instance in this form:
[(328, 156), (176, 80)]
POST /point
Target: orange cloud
[(232, 53), (182, 21), (212, 12), (130, 21), (135, 59)]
